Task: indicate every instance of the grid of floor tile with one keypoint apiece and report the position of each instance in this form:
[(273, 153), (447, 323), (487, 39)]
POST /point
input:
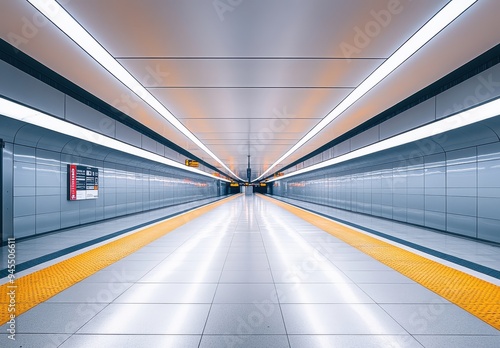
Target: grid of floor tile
[(249, 274)]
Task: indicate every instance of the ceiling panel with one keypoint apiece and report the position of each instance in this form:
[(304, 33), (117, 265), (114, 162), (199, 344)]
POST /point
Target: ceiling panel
[(259, 128), (287, 142), (243, 134), (250, 73), (249, 102)]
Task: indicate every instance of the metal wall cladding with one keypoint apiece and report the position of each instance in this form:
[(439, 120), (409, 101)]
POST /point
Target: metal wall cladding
[(456, 190), (127, 185)]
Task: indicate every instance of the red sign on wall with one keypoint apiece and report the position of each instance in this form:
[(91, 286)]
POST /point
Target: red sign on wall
[(83, 182)]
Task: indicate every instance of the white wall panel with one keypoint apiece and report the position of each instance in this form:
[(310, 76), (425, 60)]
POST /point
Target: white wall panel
[(473, 91), (28, 90), (88, 117), (369, 136), (412, 118)]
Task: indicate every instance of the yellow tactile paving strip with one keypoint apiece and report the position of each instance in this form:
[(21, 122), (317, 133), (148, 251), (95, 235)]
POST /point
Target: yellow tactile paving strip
[(37, 287), (475, 295)]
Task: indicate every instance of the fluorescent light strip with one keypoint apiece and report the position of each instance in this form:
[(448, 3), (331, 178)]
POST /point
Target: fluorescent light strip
[(62, 19), (25, 114), (437, 23), (465, 118)]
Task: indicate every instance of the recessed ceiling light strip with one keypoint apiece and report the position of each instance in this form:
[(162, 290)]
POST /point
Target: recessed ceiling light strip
[(66, 23), (465, 118), (26, 114), (437, 23)]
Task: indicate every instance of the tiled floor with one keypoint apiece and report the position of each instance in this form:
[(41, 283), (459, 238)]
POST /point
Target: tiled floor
[(249, 274)]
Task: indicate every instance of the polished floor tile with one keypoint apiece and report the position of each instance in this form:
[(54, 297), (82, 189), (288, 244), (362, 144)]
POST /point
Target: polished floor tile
[(180, 276), (247, 250), (56, 318), (245, 293), (438, 318), (244, 341), (353, 341), (188, 266), (168, 293), (135, 341), (145, 318), (401, 293), (300, 275), (246, 277), (28, 340), (353, 318), (245, 319), (322, 293), (458, 341)]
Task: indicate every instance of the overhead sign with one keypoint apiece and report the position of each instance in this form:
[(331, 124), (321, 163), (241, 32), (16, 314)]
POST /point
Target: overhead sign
[(234, 184), (191, 163), (263, 184), (83, 182)]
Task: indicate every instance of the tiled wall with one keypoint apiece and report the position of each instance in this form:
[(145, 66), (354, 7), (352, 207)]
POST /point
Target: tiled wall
[(40, 189), (456, 191)]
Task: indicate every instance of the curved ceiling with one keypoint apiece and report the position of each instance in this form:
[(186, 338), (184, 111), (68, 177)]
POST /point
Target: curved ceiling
[(252, 77)]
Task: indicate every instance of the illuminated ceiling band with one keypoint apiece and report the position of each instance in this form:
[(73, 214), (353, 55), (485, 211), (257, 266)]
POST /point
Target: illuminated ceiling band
[(437, 23), (67, 24)]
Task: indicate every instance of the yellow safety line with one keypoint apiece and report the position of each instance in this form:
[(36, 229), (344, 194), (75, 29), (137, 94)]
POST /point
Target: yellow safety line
[(37, 287), (477, 296)]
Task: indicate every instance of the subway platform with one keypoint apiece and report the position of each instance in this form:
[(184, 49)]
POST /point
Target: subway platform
[(253, 271)]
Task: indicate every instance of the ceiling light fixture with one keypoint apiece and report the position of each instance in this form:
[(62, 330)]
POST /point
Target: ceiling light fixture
[(37, 118), (464, 118), (67, 24), (437, 23)]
